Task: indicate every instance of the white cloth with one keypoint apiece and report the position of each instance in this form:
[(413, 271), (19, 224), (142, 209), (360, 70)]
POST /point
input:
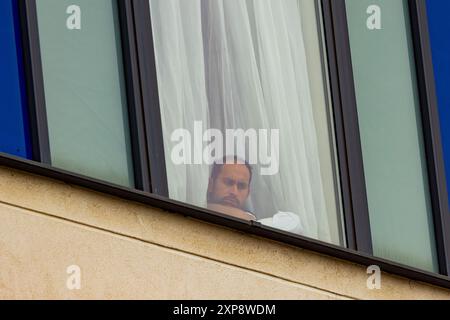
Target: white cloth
[(285, 221)]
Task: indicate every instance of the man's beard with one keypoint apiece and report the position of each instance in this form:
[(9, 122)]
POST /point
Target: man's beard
[(228, 201), (231, 201)]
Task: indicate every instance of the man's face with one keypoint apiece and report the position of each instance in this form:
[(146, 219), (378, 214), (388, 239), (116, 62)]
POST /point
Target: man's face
[(231, 187)]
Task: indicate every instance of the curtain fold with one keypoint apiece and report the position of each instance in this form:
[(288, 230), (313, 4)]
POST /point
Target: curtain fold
[(182, 89)]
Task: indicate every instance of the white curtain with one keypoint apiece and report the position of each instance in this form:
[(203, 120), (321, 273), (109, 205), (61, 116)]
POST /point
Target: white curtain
[(241, 64)]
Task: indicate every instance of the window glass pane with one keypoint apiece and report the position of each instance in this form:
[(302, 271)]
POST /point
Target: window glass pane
[(440, 44), (84, 88), (391, 132), (252, 68), (14, 136)]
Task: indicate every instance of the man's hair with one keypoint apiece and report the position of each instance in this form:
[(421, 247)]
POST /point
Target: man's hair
[(217, 167)]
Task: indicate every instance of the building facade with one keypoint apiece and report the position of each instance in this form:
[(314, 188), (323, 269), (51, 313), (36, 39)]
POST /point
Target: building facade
[(199, 149)]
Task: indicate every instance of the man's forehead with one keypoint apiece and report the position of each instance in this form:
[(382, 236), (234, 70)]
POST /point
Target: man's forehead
[(235, 170)]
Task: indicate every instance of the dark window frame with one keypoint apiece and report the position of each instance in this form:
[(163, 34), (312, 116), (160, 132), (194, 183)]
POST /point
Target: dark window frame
[(356, 210), (34, 82), (148, 151), (150, 97)]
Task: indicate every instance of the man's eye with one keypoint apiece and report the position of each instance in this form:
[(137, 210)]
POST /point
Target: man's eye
[(229, 182), (242, 186)]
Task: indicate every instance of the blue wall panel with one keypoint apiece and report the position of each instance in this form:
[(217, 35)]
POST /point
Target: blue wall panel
[(14, 136), (439, 25)]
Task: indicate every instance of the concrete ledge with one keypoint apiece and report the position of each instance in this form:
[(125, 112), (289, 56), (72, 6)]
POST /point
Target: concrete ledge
[(27, 197)]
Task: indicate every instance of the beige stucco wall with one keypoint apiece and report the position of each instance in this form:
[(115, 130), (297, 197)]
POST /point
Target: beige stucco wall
[(128, 250)]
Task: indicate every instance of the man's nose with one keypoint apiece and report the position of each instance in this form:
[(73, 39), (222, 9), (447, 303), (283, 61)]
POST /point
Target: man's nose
[(234, 189)]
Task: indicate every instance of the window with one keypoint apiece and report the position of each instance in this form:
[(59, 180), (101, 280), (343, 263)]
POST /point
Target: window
[(391, 133), (14, 135), (84, 86), (247, 81), (313, 117)]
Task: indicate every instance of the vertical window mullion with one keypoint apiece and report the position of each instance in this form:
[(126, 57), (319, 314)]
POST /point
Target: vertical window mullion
[(136, 116), (432, 135), (347, 128), (150, 98), (34, 82)]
